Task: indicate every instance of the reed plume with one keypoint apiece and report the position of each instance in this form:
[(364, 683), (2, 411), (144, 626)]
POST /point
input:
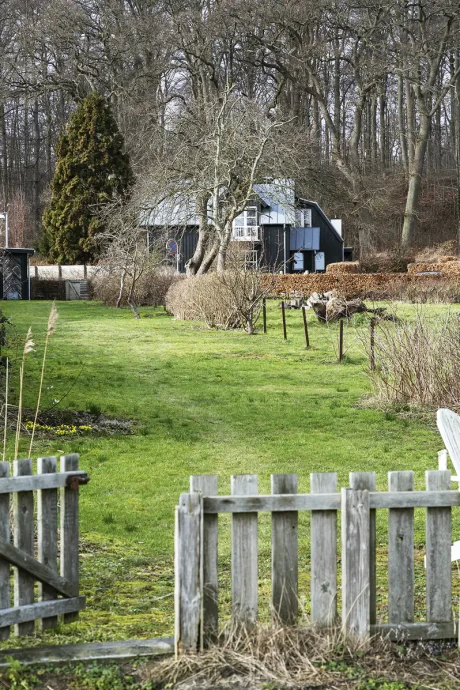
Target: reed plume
[(53, 317), (28, 347)]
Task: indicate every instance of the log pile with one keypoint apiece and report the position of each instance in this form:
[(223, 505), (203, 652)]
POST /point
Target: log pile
[(329, 306)]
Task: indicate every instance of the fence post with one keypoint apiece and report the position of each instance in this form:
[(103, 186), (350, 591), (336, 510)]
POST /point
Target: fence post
[(5, 602), (244, 555), (438, 552), (70, 531), (367, 480), (283, 314), (285, 554), (401, 553), (207, 486), (340, 340), (47, 536), (24, 540), (355, 563), (188, 584), (264, 314), (323, 526), (305, 328)]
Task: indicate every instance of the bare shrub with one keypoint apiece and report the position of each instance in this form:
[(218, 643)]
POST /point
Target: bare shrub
[(150, 289), (231, 299), (385, 262), (427, 289), (418, 362), (436, 253)]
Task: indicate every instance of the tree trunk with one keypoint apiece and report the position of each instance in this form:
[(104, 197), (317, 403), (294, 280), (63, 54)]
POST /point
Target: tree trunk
[(415, 183), (204, 231)]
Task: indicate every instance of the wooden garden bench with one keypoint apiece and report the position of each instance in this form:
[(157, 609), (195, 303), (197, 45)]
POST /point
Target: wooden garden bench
[(449, 427)]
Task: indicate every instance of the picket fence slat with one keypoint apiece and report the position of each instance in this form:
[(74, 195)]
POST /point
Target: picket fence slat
[(244, 555), (43, 610), (36, 482), (401, 553), (368, 481), (323, 526), (207, 486), (355, 562), (189, 572), (438, 549), (4, 564), (47, 536), (301, 502), (23, 540), (70, 531), (285, 555)]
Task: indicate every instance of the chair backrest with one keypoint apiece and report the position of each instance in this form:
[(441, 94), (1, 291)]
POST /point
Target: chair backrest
[(449, 428)]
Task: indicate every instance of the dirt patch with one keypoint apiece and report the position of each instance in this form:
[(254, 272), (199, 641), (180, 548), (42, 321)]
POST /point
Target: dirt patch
[(52, 423)]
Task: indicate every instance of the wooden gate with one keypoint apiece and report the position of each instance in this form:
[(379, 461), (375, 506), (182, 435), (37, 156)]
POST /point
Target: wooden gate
[(58, 593), (197, 564)]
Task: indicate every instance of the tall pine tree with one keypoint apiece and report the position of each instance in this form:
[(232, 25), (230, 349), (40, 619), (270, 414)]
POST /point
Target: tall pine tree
[(91, 171)]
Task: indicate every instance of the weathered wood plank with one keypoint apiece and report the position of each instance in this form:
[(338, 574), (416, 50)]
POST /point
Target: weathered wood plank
[(36, 570), (378, 499), (244, 556), (401, 553), (4, 536), (285, 554), (91, 651), (47, 609), (323, 553), (36, 482), (189, 572), (416, 631), (23, 540), (355, 563), (47, 536), (207, 486), (367, 481), (438, 547), (70, 538)]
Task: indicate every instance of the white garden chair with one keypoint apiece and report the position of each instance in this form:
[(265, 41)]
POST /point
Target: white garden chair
[(449, 428)]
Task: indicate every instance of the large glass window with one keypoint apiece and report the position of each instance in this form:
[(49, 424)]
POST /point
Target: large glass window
[(245, 225)]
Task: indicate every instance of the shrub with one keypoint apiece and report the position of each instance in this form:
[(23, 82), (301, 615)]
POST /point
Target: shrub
[(232, 299), (385, 262), (150, 290), (418, 362)]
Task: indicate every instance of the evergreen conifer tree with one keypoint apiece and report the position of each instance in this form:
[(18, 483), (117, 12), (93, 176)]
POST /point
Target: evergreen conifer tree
[(91, 171)]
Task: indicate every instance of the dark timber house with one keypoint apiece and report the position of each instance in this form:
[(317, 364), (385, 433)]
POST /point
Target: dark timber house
[(277, 230)]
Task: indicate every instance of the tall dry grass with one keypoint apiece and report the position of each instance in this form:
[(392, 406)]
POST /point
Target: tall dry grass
[(418, 361)]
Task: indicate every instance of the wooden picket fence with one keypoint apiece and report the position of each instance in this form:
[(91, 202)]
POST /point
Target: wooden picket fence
[(196, 602), (36, 559)]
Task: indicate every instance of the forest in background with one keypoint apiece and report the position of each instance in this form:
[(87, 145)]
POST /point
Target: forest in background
[(369, 92)]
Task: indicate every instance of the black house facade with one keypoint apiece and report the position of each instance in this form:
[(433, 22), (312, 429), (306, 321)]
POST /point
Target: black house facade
[(279, 231)]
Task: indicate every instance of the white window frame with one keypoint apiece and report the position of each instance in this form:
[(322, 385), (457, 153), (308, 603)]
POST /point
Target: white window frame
[(242, 230), (251, 260)]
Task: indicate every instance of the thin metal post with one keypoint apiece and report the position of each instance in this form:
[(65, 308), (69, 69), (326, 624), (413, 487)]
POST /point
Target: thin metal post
[(305, 328), (264, 314), (283, 314)]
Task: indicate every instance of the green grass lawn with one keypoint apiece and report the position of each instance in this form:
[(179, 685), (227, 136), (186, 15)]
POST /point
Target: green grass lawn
[(204, 402)]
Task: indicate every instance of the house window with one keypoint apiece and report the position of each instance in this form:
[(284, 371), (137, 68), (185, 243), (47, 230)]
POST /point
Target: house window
[(298, 261), (245, 225), (303, 218), (251, 260)]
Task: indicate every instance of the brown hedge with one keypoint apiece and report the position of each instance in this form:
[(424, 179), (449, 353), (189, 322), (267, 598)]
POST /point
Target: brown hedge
[(364, 285), (450, 268)]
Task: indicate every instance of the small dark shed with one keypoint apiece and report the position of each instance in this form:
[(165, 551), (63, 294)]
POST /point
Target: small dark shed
[(15, 273)]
